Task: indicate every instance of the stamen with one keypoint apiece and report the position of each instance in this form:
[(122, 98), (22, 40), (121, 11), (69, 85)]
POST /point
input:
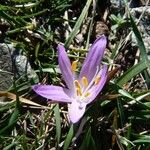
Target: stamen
[(78, 88), (91, 82), (79, 92), (97, 79), (85, 81), (77, 84), (87, 94), (74, 66)]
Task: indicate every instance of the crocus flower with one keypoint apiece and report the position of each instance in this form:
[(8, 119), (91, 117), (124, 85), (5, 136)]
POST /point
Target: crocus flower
[(81, 89)]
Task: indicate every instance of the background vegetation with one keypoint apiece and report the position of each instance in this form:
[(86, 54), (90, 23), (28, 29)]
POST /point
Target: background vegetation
[(118, 119)]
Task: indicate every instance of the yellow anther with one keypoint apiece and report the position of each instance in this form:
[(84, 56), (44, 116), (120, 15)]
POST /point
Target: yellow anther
[(79, 92), (85, 81), (87, 94), (77, 84), (74, 66), (78, 88), (97, 79)]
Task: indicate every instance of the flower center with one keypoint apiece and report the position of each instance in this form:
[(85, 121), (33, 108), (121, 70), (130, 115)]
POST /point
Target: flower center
[(83, 86), (81, 89)]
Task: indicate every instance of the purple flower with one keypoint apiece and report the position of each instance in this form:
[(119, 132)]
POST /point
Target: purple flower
[(81, 89)]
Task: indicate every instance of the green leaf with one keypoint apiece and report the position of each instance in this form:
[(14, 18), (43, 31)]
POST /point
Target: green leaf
[(49, 70), (6, 106), (147, 104), (34, 14), (8, 128), (68, 138), (58, 122), (4, 8), (130, 73), (143, 64), (88, 142), (141, 113), (10, 146), (121, 112), (21, 1), (13, 119), (139, 41), (139, 98), (143, 139), (11, 123), (78, 23), (125, 93), (9, 18)]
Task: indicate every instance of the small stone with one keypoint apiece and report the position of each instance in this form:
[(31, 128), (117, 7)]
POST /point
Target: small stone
[(21, 67)]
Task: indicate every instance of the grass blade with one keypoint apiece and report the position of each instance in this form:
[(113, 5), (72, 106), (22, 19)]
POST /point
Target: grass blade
[(139, 40), (68, 138), (58, 123), (130, 73), (88, 142), (78, 23)]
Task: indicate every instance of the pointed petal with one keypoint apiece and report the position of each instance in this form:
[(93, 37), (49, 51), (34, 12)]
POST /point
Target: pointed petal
[(55, 93), (93, 58), (65, 66), (95, 90), (76, 111)]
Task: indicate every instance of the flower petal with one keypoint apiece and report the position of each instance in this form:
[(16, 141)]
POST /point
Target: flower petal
[(65, 66), (95, 90), (76, 111), (55, 93), (93, 58)]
